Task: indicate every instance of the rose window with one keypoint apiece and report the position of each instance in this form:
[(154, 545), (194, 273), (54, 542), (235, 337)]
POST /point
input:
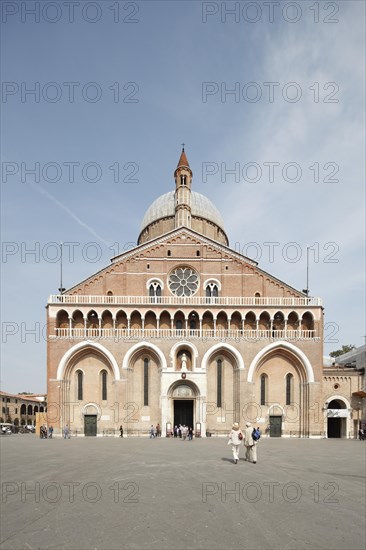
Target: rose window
[(183, 281)]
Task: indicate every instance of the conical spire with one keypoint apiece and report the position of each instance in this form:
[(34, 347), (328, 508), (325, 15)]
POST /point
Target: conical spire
[(183, 161)]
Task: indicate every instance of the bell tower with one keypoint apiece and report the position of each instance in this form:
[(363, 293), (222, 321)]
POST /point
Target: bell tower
[(183, 181)]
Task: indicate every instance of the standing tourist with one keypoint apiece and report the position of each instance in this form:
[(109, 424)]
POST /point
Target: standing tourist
[(66, 432), (235, 439), (250, 444)]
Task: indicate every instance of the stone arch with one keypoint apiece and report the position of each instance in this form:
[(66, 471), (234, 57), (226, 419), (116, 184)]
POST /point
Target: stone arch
[(150, 321), (155, 280), (180, 382), (224, 347), (106, 319), (62, 319), (300, 355), (214, 281), (94, 346), (337, 425), (84, 410), (140, 347), (275, 409), (337, 397), (165, 320), (250, 321), (77, 319), (180, 345)]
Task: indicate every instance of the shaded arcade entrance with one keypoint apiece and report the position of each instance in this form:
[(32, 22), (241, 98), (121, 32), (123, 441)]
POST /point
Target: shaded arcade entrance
[(183, 412), (337, 419)]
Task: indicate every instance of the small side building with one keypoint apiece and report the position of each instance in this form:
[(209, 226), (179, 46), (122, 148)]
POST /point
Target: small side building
[(345, 394), (21, 409)]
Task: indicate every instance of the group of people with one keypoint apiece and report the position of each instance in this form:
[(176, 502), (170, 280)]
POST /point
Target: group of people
[(155, 432), (183, 432), (249, 437), (43, 434)]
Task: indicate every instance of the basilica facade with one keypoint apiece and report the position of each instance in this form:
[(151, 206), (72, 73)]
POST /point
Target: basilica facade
[(182, 329)]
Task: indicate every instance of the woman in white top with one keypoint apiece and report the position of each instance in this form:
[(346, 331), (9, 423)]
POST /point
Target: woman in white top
[(235, 439)]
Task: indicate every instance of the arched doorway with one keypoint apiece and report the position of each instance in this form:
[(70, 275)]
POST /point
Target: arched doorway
[(184, 401), (336, 422)]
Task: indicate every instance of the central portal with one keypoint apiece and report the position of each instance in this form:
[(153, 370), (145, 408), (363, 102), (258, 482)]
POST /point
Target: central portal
[(183, 412)]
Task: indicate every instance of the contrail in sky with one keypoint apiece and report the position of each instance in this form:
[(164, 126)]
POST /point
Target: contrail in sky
[(69, 212)]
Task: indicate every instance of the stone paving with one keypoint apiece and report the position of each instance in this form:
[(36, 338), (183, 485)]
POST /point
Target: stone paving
[(137, 493)]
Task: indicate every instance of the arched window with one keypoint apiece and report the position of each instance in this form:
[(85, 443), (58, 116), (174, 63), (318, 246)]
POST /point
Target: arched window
[(80, 385), (146, 382), (178, 324), (155, 291), (30, 410), (264, 388), (104, 385), (192, 321), (289, 389), (212, 290), (219, 382)]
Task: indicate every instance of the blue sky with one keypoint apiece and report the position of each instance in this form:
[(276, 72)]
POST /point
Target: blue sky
[(174, 64)]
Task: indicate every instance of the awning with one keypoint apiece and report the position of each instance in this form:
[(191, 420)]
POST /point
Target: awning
[(360, 393)]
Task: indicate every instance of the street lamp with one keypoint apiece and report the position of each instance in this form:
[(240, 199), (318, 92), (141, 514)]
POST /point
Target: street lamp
[(61, 289), (306, 290)]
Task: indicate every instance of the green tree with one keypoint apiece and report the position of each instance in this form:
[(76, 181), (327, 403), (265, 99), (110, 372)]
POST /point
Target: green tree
[(345, 349)]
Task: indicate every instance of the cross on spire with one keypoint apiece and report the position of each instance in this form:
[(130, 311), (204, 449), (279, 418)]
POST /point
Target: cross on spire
[(183, 144)]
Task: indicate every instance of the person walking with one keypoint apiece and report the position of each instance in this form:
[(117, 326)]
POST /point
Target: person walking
[(235, 439), (250, 444), (190, 433), (66, 432), (152, 432), (50, 432), (121, 431)]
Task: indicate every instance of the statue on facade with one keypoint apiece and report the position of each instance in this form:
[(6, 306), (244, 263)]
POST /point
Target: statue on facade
[(184, 363)]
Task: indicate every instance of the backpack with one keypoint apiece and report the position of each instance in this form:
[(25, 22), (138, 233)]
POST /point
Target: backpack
[(255, 434)]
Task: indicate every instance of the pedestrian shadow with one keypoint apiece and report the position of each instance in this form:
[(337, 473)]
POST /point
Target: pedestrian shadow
[(225, 459)]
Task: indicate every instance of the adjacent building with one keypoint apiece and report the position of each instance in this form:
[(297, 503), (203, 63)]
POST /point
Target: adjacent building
[(21, 409)]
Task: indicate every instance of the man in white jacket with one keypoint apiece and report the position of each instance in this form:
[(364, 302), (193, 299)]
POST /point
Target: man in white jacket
[(250, 444)]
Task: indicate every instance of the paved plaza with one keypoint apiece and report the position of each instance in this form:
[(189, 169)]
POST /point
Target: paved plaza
[(137, 493)]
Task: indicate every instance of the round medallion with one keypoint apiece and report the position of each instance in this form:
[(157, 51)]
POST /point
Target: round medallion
[(183, 281)]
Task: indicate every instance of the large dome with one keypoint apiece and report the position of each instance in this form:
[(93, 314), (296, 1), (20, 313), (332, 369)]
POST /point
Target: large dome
[(164, 207)]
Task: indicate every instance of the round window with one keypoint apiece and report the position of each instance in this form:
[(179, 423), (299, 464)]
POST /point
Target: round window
[(183, 281)]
